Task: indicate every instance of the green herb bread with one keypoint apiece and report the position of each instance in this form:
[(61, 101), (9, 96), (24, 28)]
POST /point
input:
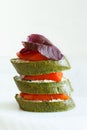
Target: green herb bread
[(44, 106), (43, 87), (39, 67)]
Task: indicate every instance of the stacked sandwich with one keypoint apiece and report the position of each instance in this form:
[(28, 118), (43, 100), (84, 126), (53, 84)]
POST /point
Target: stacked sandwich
[(41, 81)]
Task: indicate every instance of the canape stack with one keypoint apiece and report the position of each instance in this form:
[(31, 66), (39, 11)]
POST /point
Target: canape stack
[(41, 83)]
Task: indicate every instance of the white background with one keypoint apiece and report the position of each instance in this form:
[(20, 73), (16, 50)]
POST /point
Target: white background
[(59, 20), (64, 22)]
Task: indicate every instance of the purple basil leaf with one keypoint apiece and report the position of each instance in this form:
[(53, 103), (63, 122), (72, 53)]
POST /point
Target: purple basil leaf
[(37, 38), (44, 46)]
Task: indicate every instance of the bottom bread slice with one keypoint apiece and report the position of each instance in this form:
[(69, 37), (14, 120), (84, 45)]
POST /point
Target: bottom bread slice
[(45, 106)]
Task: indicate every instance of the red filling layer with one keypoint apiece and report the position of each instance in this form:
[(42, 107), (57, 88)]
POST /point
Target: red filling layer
[(44, 97), (31, 55), (52, 76)]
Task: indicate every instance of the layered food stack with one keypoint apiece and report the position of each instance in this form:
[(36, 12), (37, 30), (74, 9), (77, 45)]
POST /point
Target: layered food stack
[(41, 81)]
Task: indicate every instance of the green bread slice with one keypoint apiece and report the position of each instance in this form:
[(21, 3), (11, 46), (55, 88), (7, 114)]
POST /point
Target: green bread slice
[(44, 106), (43, 87), (39, 67)]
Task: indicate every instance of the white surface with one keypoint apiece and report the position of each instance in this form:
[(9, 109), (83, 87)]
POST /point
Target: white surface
[(12, 118)]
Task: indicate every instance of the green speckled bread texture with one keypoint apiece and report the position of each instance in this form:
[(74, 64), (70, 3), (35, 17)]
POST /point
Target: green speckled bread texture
[(40, 67), (45, 106), (37, 68), (43, 87)]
